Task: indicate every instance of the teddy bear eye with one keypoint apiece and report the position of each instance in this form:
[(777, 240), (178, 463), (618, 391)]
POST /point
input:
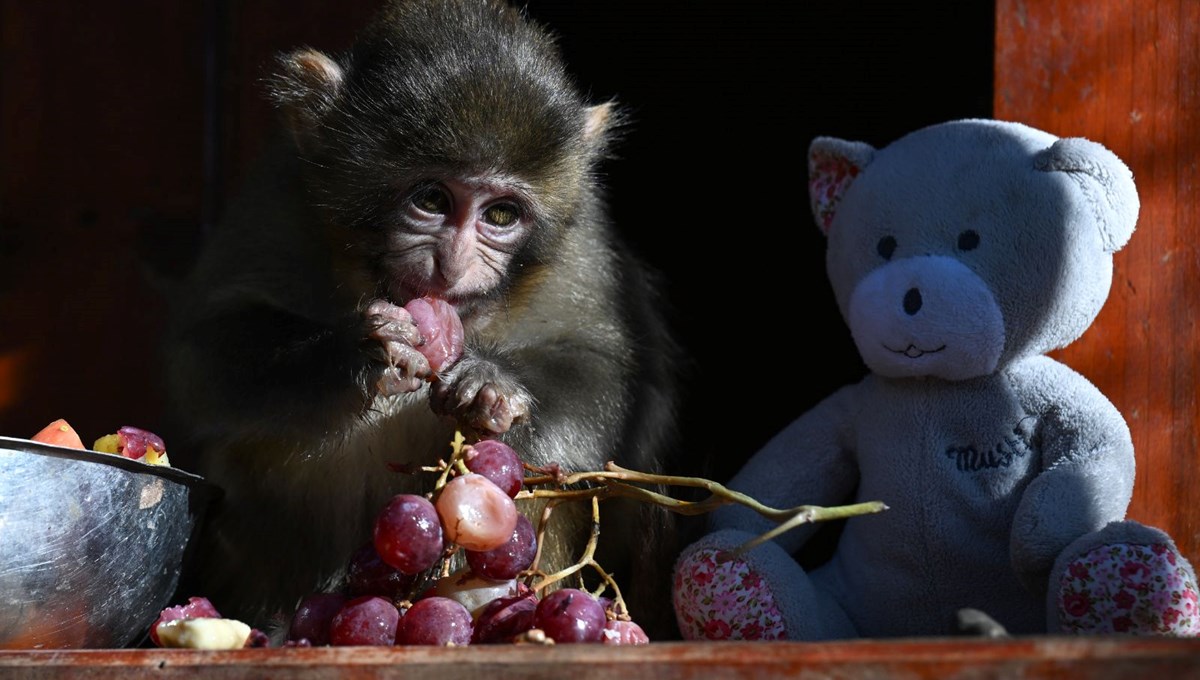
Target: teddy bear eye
[(886, 246), (968, 240)]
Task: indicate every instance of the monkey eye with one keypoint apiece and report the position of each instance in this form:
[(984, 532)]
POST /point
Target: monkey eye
[(432, 199), (502, 214)]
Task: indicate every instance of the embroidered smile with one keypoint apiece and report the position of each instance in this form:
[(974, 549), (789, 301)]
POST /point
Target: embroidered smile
[(913, 352)]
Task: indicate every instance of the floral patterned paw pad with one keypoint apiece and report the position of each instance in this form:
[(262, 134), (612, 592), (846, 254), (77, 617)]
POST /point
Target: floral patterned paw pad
[(724, 600), (1135, 589)]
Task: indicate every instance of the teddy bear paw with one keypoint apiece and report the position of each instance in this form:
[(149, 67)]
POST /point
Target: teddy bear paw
[(1134, 589), (720, 597)]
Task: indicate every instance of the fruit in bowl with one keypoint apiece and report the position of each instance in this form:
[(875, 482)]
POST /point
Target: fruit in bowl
[(92, 544)]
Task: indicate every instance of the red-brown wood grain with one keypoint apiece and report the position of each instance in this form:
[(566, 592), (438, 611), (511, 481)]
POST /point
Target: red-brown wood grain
[(1016, 659), (1127, 74)]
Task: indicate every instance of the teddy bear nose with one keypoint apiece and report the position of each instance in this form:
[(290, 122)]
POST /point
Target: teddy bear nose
[(912, 301)]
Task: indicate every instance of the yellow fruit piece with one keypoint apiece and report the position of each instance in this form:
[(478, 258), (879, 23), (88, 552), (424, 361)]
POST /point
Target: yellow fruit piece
[(203, 633), (155, 457), (109, 443)]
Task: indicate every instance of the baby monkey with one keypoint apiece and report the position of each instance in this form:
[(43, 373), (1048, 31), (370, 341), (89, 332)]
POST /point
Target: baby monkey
[(447, 153)]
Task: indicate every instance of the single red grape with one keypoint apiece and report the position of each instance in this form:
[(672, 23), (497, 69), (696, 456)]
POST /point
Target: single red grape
[(508, 560), (504, 618), (366, 620), (618, 632), (408, 534), (570, 615), (498, 462), (368, 574), (133, 442), (436, 621), (312, 619)]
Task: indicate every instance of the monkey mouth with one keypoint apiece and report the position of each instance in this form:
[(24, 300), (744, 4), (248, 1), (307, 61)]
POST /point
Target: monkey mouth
[(914, 352)]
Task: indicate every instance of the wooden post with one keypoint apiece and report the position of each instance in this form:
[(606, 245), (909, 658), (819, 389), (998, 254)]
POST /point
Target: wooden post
[(1127, 74)]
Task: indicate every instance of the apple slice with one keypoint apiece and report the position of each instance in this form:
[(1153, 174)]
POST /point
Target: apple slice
[(59, 433)]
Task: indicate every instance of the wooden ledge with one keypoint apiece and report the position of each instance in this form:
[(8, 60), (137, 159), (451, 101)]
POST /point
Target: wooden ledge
[(1101, 658)]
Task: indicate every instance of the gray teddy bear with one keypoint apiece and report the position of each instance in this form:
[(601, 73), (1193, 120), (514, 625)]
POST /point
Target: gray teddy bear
[(960, 255)]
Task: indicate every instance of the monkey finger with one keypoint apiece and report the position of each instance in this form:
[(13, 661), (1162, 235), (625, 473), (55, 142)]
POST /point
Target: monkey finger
[(387, 331), (386, 309), (392, 382), (405, 368), (388, 322), (494, 411)]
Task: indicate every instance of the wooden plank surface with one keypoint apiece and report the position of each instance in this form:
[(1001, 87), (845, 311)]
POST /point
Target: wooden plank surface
[(1127, 74), (1096, 658)]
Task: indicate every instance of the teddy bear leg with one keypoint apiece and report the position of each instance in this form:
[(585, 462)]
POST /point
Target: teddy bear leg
[(1125, 578), (762, 595)]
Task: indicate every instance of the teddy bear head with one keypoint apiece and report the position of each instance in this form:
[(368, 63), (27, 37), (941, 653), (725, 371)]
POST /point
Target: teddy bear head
[(966, 245)]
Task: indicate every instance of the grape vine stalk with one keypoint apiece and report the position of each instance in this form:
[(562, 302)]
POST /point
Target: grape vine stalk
[(556, 487)]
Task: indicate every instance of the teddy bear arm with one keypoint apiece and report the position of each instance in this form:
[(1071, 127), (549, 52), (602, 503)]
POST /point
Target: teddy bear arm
[(1086, 479), (809, 462)]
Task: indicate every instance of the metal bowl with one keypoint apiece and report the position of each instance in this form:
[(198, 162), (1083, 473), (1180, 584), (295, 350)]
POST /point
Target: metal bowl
[(92, 545)]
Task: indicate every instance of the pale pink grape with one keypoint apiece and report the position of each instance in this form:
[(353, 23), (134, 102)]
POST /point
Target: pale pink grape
[(476, 514)]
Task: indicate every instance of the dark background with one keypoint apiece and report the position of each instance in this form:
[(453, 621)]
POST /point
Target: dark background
[(711, 182), (126, 126)]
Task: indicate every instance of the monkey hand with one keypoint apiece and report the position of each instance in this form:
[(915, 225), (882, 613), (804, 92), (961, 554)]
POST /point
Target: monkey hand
[(482, 398), (392, 339)]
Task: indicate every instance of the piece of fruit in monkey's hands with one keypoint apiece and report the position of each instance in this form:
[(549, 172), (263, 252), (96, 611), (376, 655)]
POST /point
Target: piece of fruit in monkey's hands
[(441, 331), (416, 341)]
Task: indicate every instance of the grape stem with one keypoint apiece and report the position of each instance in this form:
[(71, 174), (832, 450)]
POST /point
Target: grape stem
[(614, 481), (587, 559)]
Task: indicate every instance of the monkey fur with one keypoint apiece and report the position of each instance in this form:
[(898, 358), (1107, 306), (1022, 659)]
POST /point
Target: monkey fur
[(447, 152)]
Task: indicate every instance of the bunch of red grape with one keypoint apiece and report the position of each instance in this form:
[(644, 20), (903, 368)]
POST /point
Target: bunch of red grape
[(487, 601)]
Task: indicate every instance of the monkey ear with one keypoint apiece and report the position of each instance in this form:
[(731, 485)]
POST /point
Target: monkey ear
[(833, 165), (599, 124), (305, 87)]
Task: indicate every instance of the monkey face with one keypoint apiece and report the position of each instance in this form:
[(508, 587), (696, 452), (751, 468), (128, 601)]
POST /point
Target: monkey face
[(455, 238)]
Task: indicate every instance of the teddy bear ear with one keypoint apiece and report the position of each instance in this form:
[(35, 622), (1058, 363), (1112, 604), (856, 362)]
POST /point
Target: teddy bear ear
[(833, 164), (1106, 182)]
